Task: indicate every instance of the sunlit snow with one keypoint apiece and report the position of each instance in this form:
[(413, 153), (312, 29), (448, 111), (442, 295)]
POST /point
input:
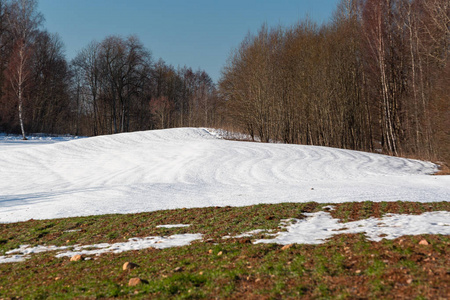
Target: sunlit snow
[(158, 242), (320, 226), (192, 167), (173, 225)]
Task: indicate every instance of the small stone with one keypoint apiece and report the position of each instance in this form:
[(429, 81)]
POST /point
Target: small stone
[(76, 257), (423, 242), (220, 253), (285, 247), (136, 281), (129, 266)]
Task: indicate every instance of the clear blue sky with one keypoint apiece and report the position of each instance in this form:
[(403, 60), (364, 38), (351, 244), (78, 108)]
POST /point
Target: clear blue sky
[(195, 33)]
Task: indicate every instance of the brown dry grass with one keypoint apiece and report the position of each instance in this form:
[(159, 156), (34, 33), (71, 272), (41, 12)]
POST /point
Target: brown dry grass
[(444, 169)]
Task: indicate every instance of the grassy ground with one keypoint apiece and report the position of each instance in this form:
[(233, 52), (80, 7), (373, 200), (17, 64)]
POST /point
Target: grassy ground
[(347, 266)]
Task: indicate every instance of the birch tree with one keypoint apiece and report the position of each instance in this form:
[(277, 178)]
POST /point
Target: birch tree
[(23, 21)]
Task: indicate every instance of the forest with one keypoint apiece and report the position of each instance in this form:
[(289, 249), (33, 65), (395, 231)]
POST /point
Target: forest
[(111, 86), (376, 78)]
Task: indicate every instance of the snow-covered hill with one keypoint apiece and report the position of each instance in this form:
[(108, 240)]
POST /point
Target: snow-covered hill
[(192, 167)]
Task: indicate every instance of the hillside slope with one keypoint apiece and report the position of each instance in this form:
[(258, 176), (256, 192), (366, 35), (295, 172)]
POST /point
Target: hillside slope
[(191, 167)]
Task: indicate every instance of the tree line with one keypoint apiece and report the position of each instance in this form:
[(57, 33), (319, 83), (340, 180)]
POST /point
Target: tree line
[(111, 86), (119, 88), (375, 78)]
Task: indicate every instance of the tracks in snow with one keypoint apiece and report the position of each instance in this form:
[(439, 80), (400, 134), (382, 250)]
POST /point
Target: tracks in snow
[(189, 167)]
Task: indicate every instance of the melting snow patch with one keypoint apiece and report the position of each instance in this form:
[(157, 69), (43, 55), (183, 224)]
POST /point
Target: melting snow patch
[(321, 226), (315, 229), (72, 230), (329, 207), (173, 225), (158, 242), (250, 234), (245, 234), (27, 250), (12, 259)]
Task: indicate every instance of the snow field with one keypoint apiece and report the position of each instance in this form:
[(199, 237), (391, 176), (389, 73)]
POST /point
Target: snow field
[(193, 167)]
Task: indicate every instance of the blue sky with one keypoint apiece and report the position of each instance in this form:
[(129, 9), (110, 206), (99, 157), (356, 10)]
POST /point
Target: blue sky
[(195, 33)]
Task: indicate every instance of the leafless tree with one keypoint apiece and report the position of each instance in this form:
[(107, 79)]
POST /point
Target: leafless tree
[(23, 21)]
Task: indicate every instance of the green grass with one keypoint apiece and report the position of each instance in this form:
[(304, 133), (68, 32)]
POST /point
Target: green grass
[(347, 266)]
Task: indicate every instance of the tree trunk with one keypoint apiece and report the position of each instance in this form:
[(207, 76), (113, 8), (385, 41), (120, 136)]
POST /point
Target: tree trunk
[(20, 114)]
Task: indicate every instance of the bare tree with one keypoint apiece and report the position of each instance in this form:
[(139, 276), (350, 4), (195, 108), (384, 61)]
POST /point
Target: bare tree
[(161, 108), (87, 62), (48, 96), (23, 21), (122, 61)]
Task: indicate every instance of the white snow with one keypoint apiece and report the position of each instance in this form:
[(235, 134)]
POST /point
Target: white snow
[(15, 141), (72, 230), (247, 234), (158, 242), (191, 167), (318, 227), (328, 207), (173, 225), (12, 259)]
